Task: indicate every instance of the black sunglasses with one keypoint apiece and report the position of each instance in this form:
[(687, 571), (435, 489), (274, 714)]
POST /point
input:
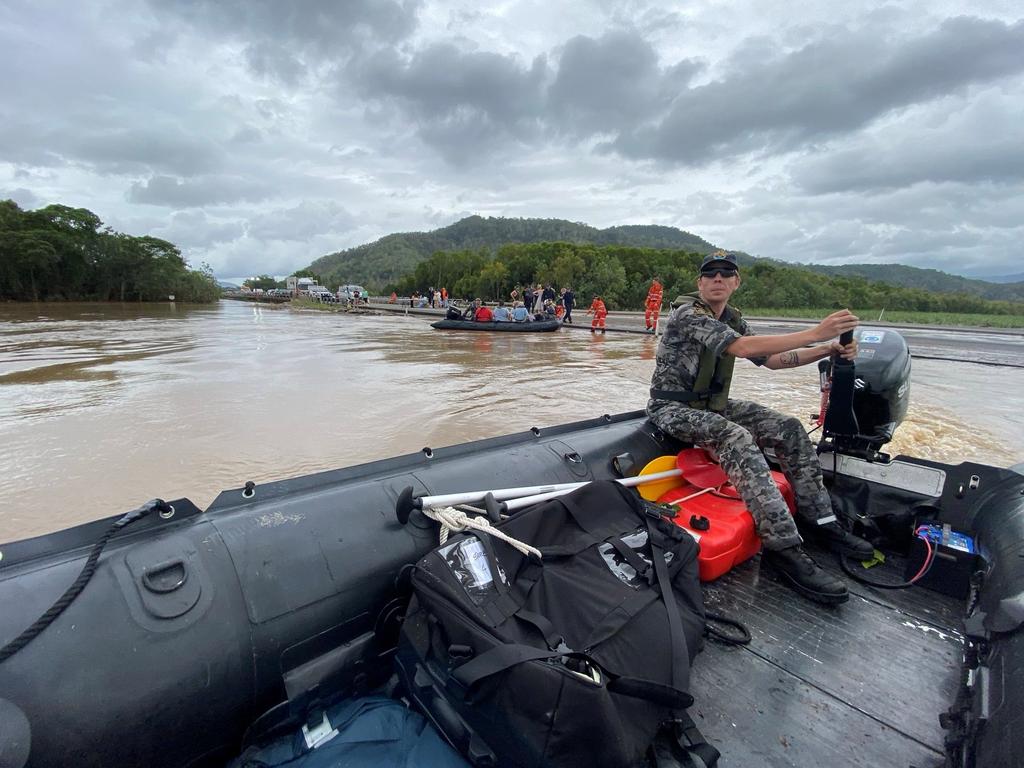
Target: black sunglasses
[(719, 272)]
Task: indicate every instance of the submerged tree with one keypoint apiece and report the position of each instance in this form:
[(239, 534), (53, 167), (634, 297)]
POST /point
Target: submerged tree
[(59, 252)]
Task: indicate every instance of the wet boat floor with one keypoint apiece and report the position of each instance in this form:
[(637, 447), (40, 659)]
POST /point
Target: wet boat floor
[(860, 684)]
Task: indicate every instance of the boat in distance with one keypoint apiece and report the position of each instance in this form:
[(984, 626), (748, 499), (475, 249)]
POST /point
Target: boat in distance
[(532, 326)]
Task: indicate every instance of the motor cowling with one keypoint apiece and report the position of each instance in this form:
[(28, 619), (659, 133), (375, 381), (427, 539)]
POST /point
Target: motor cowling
[(880, 392)]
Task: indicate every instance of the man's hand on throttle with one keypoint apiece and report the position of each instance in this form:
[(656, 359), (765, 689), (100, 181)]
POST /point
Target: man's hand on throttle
[(848, 352), (836, 324)]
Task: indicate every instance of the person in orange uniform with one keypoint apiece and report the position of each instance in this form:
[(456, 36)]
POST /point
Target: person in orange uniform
[(600, 312), (653, 305)]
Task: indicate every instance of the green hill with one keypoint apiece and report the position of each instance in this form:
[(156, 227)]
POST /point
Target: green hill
[(386, 260), (926, 279)]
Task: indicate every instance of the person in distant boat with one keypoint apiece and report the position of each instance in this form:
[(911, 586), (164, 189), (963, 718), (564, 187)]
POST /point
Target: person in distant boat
[(484, 314), (568, 301), (652, 304), (701, 340), (501, 313), (520, 314), (600, 312)]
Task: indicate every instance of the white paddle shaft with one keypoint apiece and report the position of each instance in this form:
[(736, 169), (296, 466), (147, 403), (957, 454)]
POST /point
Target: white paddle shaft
[(533, 491)]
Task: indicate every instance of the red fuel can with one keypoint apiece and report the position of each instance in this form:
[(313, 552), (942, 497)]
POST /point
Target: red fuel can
[(721, 523)]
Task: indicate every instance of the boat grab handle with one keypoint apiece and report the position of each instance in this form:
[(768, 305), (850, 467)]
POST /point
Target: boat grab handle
[(160, 586)]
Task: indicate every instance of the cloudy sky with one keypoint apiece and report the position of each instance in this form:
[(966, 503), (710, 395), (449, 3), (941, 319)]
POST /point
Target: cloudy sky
[(259, 135)]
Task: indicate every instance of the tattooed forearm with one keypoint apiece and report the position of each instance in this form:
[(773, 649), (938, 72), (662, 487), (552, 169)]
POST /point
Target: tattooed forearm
[(789, 359)]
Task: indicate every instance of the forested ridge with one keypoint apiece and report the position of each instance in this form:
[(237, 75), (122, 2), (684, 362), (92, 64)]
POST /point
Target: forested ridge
[(929, 279), (621, 275), (382, 262), (64, 253)]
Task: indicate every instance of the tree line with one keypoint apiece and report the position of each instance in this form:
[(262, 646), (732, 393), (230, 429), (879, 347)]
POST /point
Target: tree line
[(621, 275), (64, 253)]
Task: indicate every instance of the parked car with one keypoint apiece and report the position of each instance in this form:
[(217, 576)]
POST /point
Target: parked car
[(353, 293)]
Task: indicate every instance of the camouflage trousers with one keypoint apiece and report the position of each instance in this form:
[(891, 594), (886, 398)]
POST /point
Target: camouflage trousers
[(738, 435)]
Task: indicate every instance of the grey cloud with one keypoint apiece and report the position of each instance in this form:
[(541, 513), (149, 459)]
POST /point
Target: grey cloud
[(204, 190), (440, 80), (824, 89), (195, 230), (609, 83), (23, 197), (134, 150), (275, 61), (459, 102), (331, 27), (301, 222), (951, 154)]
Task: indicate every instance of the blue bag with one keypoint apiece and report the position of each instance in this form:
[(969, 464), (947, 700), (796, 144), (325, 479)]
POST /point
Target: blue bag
[(370, 732)]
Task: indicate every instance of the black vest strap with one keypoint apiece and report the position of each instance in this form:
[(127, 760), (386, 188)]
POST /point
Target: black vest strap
[(683, 396)]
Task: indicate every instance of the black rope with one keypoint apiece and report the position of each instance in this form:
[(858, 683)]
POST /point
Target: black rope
[(76, 588), (741, 638)]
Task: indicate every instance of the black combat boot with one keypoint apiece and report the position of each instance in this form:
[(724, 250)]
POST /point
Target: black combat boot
[(799, 571), (833, 536)]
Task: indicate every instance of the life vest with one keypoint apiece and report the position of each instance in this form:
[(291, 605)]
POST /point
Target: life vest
[(654, 295), (714, 374)]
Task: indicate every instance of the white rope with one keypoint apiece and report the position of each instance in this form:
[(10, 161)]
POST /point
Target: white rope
[(454, 520)]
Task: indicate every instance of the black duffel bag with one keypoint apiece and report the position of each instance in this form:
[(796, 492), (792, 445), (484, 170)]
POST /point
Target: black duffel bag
[(581, 657)]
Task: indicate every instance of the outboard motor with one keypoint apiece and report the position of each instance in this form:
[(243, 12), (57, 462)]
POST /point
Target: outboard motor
[(867, 400)]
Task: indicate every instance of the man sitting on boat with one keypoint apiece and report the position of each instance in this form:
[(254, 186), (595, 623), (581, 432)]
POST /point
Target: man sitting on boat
[(520, 313), (483, 313), (690, 401), (501, 313)]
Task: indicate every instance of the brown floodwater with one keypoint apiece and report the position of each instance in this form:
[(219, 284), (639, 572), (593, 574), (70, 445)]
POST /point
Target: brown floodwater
[(103, 407)]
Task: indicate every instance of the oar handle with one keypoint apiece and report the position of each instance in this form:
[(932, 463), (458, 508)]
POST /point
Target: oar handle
[(408, 501)]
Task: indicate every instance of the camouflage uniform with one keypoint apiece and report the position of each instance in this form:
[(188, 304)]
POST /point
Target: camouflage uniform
[(738, 431)]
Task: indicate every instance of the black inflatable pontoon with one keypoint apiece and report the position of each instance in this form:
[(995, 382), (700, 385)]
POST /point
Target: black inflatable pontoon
[(533, 326), (198, 622)]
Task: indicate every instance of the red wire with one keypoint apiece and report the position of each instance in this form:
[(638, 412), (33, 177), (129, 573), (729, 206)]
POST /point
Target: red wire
[(928, 558)]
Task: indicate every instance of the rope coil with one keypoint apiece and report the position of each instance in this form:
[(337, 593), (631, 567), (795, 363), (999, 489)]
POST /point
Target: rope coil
[(453, 520)]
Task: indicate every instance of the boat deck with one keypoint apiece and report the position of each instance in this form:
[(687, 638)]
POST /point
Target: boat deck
[(859, 685)]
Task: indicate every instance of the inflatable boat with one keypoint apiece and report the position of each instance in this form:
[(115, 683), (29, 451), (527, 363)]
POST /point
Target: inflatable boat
[(181, 629), (533, 326)]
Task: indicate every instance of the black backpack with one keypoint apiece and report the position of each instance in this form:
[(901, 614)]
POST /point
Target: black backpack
[(581, 657)]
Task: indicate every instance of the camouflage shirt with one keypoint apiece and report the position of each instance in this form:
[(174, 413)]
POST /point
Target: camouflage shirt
[(690, 329)]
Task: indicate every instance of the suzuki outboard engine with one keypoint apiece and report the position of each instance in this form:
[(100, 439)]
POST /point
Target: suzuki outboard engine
[(868, 399)]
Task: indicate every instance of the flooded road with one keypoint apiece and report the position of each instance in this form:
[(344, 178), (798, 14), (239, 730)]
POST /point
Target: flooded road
[(103, 407)]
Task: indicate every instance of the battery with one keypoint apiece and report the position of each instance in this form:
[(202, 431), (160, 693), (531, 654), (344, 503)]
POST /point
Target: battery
[(956, 559)]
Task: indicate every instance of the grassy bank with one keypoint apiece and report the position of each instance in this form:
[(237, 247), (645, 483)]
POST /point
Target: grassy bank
[(923, 318)]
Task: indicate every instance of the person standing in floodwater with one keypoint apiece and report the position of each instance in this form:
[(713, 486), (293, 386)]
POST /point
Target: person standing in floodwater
[(568, 301), (600, 312), (652, 305)]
